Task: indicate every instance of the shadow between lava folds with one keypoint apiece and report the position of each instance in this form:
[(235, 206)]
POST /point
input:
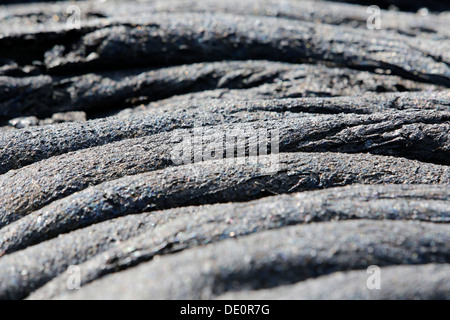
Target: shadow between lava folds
[(102, 94)]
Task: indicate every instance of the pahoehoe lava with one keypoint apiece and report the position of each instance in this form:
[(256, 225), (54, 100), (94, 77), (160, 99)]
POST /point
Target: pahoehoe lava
[(114, 153)]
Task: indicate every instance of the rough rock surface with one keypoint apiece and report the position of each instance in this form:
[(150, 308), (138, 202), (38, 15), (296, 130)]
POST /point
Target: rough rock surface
[(209, 224), (276, 258), (116, 158)]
